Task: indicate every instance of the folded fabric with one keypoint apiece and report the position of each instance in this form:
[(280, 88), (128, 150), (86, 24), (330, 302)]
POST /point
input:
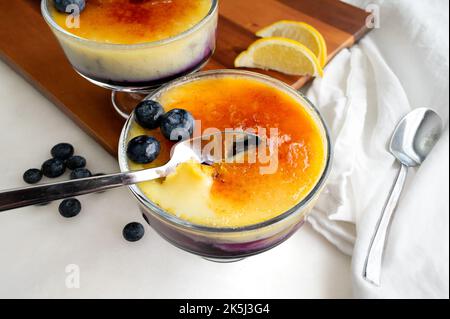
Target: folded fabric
[(364, 94)]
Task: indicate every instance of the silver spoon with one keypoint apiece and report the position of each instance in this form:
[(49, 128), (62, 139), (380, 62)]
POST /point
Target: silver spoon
[(207, 149), (413, 140)]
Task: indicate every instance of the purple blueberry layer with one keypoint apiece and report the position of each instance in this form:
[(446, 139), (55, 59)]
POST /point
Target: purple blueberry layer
[(154, 82), (208, 248)]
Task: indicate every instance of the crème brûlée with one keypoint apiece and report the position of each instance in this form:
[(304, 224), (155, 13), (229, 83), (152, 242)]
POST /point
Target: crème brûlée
[(135, 21), (137, 44), (233, 195)]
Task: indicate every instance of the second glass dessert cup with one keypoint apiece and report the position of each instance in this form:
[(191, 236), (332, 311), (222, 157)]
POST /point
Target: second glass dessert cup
[(131, 71)]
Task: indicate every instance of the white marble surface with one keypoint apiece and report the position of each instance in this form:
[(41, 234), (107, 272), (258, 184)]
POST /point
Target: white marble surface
[(36, 243)]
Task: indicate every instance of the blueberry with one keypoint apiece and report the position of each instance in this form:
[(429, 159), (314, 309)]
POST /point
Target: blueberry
[(133, 232), (143, 149), (62, 151), (70, 208), (177, 125), (80, 173), (75, 162), (32, 176), (61, 5), (53, 168), (148, 114)]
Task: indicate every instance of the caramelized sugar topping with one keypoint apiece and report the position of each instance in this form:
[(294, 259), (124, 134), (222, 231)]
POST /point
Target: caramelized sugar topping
[(240, 194), (136, 21)]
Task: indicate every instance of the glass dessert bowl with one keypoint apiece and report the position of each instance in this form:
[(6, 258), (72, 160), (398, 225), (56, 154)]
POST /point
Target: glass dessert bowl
[(231, 211), (136, 46)]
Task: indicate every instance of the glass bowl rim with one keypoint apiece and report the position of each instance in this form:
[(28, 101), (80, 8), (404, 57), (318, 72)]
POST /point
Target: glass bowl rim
[(208, 229), (50, 21)]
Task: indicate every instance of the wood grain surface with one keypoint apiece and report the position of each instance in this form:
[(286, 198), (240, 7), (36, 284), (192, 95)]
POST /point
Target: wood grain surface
[(28, 46)]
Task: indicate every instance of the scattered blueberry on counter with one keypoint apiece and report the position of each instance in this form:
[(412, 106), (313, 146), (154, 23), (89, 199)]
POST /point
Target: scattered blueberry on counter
[(61, 5), (70, 208), (32, 176), (148, 114), (63, 157), (143, 149), (53, 168), (62, 151), (80, 173), (75, 162), (133, 232), (177, 125)]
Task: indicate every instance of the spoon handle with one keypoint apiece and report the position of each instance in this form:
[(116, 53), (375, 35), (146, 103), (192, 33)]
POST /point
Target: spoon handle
[(372, 267), (22, 197)]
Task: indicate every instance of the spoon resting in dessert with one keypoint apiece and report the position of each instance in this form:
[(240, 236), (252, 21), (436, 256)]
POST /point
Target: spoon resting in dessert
[(208, 149)]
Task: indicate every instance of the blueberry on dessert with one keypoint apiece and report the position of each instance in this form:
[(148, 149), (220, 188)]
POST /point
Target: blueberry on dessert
[(32, 176), (143, 149), (148, 114), (70, 208), (177, 125), (62, 151), (67, 6), (133, 232), (53, 168), (75, 162), (80, 173)]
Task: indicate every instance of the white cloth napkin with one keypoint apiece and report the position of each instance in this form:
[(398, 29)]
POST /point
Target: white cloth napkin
[(364, 94)]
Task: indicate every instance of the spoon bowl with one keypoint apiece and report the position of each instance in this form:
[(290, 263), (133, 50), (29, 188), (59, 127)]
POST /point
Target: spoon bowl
[(415, 136)]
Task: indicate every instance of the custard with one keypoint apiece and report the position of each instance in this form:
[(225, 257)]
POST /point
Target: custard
[(237, 195), (136, 44), (135, 21)]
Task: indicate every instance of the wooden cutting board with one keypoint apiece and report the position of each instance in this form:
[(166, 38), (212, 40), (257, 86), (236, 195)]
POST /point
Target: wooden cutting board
[(27, 44)]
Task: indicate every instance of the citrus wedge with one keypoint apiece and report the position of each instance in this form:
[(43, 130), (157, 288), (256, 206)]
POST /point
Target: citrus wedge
[(301, 32), (280, 54)]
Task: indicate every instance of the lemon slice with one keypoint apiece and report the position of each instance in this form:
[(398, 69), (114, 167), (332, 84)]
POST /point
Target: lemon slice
[(301, 32), (280, 54)]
